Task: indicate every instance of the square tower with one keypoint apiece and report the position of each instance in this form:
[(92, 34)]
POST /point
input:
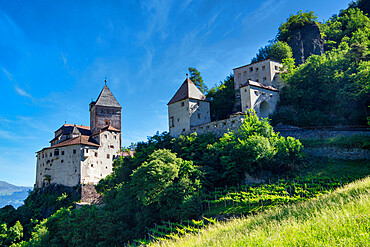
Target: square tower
[(105, 111), (187, 108)]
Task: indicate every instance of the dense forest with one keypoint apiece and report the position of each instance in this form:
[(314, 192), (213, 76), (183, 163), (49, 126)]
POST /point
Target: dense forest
[(168, 179)]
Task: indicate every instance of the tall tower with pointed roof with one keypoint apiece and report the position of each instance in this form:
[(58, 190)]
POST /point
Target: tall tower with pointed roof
[(187, 108), (105, 111)]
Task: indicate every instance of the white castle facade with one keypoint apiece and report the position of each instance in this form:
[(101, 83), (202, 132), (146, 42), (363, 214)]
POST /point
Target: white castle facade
[(83, 154), (257, 87)]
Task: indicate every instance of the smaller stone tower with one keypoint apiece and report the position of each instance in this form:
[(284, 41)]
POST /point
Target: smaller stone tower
[(187, 108), (105, 111)]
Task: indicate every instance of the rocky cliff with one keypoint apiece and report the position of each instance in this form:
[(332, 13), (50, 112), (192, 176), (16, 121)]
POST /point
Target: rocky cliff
[(305, 42)]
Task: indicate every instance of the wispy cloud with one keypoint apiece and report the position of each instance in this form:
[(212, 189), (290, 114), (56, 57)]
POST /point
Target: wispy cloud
[(266, 9), (63, 57), (8, 75), (22, 92), (157, 12)]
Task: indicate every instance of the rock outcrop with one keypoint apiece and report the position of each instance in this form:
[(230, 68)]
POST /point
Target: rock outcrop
[(305, 42)]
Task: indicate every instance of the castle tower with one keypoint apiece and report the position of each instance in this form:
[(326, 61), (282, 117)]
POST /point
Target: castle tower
[(187, 108), (105, 111)]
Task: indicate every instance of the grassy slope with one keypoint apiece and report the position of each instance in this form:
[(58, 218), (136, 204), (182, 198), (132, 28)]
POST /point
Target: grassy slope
[(338, 219)]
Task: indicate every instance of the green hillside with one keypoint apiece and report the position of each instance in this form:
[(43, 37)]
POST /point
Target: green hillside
[(338, 219)]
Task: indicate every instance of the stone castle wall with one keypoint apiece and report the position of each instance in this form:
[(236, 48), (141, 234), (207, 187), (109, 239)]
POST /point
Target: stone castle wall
[(220, 127)]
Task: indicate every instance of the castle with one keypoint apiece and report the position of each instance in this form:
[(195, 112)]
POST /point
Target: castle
[(257, 87), (83, 154)]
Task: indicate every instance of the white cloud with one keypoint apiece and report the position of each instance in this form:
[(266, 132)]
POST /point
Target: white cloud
[(22, 92)]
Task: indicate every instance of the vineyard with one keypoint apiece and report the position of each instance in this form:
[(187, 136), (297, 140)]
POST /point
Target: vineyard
[(230, 202)]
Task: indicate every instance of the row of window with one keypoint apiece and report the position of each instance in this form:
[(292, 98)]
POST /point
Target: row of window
[(251, 69)]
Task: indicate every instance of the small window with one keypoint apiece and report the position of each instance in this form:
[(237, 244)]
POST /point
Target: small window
[(105, 136), (108, 156), (42, 155), (256, 69), (198, 115), (264, 78), (182, 103), (87, 150), (51, 154), (115, 137), (92, 165), (263, 93), (111, 146), (39, 156), (96, 154), (172, 124), (263, 67), (74, 151), (61, 161), (245, 90), (251, 69), (257, 80), (107, 122), (178, 120), (75, 170), (183, 130), (276, 67), (62, 152), (56, 152)]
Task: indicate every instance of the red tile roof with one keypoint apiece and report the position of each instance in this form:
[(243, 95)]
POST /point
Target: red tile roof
[(72, 125), (188, 90), (79, 140)]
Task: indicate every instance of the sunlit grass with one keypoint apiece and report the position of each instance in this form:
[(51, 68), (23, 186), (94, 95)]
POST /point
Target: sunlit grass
[(341, 218)]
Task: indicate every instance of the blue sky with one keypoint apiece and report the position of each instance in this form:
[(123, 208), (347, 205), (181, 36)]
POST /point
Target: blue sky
[(55, 55)]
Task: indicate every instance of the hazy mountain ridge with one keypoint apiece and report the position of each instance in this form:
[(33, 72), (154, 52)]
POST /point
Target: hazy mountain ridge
[(12, 195)]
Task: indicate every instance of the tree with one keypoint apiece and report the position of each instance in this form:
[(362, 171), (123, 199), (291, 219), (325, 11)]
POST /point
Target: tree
[(222, 99), (293, 23), (277, 50), (197, 79)]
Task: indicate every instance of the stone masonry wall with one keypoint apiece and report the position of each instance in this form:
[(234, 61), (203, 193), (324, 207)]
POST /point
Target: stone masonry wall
[(220, 127), (339, 153), (319, 134)]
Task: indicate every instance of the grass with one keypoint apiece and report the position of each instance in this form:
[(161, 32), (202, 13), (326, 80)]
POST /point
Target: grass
[(355, 141), (341, 218), (321, 167)]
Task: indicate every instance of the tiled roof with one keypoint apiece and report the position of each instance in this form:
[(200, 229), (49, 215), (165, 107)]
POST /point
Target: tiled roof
[(188, 90), (111, 128), (126, 154), (79, 140), (106, 98), (260, 85), (69, 128)]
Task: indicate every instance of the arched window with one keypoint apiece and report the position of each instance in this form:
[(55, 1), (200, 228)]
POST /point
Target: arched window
[(265, 109)]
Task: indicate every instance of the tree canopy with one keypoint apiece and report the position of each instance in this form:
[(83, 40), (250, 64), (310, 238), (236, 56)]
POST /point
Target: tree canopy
[(197, 79)]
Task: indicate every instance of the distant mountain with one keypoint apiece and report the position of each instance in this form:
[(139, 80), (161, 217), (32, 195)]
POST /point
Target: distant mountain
[(12, 195)]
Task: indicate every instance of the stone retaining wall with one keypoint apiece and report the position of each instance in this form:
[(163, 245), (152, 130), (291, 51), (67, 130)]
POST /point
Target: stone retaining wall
[(339, 153), (318, 133)]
